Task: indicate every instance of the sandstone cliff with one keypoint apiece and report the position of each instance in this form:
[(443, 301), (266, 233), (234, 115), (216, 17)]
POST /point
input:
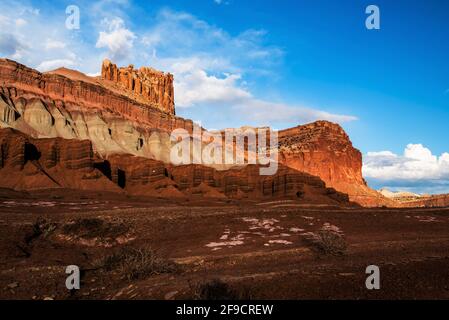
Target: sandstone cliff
[(131, 112), (440, 200), (27, 164), (324, 149), (52, 105), (154, 86)]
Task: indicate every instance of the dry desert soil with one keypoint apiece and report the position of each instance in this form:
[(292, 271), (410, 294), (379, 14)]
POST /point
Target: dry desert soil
[(131, 248)]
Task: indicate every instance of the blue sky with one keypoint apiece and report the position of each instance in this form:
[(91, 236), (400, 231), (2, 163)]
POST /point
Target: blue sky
[(280, 63)]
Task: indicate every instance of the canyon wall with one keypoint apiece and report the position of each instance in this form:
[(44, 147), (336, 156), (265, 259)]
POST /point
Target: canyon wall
[(131, 112), (324, 149), (30, 164), (52, 105)]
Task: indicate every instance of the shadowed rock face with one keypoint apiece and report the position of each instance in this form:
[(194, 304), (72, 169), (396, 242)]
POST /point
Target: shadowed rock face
[(51, 105), (131, 112), (324, 149), (27, 163)]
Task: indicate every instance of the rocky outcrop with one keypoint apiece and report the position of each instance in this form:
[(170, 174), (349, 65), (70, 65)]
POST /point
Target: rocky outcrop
[(140, 176), (52, 105), (131, 112), (155, 86), (401, 196), (323, 149), (430, 201), (27, 163)]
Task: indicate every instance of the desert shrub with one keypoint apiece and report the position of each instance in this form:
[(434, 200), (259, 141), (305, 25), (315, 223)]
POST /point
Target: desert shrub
[(136, 263), (328, 240), (90, 228), (40, 228), (216, 289)]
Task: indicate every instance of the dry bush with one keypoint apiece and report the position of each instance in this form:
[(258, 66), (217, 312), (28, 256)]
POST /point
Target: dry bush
[(328, 240), (40, 228), (216, 289), (136, 263), (89, 228)]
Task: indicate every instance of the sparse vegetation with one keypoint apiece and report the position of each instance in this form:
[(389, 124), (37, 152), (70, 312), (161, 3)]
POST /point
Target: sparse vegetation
[(328, 240), (136, 263), (41, 228), (216, 289), (89, 228)]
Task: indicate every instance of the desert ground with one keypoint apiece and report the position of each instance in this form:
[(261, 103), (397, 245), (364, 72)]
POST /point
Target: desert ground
[(129, 248)]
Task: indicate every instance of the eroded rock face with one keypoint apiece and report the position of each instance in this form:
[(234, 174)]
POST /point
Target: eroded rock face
[(51, 105), (155, 86), (131, 112), (27, 163), (434, 201), (323, 149)]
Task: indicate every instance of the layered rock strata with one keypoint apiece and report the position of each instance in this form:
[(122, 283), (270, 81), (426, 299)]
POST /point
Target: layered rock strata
[(154, 86)]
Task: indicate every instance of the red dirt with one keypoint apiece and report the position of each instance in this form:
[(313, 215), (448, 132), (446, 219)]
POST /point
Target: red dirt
[(263, 252)]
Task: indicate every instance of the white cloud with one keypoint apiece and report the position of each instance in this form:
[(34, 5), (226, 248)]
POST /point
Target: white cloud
[(38, 38), (54, 44), (196, 87), (118, 40), (11, 45), (211, 67), (416, 167), (49, 65), (20, 22), (262, 112)]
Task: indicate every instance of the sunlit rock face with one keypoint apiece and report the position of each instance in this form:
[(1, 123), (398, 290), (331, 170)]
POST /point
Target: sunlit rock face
[(154, 86), (132, 112), (324, 149), (70, 105)]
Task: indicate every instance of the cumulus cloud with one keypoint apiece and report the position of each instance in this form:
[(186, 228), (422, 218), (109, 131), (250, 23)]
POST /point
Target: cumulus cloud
[(10, 45), (51, 44), (196, 87), (417, 168), (117, 39), (38, 38), (49, 65), (211, 68)]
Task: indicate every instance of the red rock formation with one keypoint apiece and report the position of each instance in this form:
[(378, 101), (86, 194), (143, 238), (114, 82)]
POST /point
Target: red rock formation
[(132, 112), (155, 86), (324, 149), (27, 163), (434, 201), (18, 81)]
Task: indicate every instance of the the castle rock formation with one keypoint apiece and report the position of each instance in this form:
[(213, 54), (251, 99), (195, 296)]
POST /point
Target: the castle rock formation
[(131, 113), (155, 86)]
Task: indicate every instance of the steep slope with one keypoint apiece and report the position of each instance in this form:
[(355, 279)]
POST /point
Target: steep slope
[(131, 112), (51, 105), (324, 149), (27, 164)]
